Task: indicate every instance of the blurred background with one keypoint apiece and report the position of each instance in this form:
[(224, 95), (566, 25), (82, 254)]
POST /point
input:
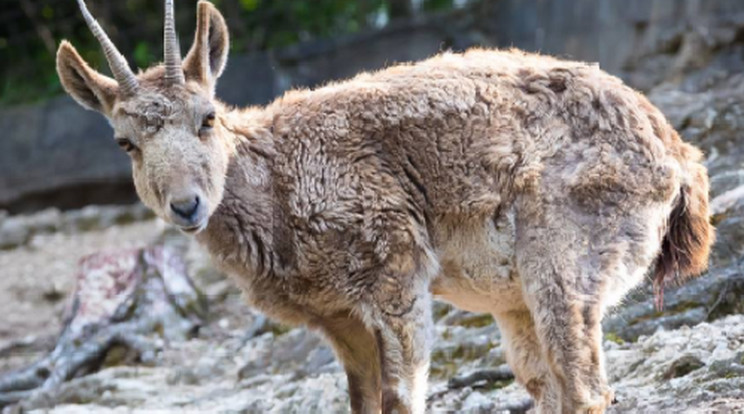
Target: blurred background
[(65, 192)]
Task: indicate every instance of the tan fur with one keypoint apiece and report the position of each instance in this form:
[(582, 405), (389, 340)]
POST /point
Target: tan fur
[(536, 189)]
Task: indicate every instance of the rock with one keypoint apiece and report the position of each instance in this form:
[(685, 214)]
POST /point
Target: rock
[(290, 352), (99, 217), (19, 230), (688, 369), (727, 201), (692, 368), (13, 233), (683, 366), (707, 298), (58, 147), (477, 403)]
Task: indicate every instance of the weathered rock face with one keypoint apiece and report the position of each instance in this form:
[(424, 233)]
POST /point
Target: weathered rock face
[(644, 41), (695, 369)]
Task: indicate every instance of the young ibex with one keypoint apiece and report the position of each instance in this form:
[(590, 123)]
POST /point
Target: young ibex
[(536, 189)]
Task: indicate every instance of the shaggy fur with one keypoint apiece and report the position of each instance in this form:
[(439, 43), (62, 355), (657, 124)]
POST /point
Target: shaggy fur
[(535, 189)]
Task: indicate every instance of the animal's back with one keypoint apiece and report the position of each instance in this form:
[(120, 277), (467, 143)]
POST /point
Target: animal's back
[(462, 134)]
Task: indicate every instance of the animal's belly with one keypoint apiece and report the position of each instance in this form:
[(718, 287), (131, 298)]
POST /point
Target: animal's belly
[(478, 270)]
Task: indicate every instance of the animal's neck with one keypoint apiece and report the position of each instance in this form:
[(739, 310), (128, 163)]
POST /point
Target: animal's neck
[(240, 234)]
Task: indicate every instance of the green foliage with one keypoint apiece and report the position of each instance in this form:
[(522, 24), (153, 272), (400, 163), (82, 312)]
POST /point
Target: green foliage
[(31, 31), (438, 5), (249, 5), (613, 337), (143, 55), (477, 320)]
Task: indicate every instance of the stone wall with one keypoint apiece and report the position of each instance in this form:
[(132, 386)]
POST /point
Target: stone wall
[(56, 153)]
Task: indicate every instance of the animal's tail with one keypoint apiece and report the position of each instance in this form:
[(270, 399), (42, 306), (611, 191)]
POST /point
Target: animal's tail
[(689, 236)]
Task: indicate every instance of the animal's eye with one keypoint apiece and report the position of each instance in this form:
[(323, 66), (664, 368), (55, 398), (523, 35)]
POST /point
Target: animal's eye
[(125, 144), (208, 121)]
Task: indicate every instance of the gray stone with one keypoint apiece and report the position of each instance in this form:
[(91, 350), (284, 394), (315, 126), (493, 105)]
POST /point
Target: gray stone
[(13, 233), (19, 230), (53, 146), (477, 403)]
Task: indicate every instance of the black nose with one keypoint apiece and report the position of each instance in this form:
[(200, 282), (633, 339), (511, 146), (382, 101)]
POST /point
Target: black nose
[(185, 208)]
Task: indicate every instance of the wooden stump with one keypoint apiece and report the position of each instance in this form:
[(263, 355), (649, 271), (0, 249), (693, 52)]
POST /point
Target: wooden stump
[(124, 306)]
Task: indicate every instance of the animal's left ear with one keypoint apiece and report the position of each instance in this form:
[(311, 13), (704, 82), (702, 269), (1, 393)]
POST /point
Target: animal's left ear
[(208, 55), (88, 87)]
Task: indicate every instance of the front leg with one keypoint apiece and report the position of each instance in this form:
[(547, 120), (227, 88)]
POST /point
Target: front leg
[(356, 347), (403, 326), (396, 303)]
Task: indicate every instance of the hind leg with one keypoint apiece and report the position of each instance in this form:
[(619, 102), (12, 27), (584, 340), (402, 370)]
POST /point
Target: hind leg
[(563, 288), (525, 358), (569, 333)]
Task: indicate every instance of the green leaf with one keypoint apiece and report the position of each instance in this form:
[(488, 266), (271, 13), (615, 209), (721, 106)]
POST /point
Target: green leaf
[(47, 12), (142, 55), (250, 5)]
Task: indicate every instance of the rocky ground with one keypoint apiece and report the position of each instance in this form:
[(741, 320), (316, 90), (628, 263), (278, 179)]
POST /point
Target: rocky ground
[(687, 358), (240, 362)]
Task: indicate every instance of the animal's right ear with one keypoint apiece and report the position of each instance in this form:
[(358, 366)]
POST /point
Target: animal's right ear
[(208, 55), (88, 87)]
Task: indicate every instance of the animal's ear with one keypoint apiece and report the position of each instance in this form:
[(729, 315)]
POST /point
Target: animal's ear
[(208, 55), (88, 87)]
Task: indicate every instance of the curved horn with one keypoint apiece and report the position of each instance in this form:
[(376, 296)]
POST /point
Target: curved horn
[(119, 67), (172, 51)]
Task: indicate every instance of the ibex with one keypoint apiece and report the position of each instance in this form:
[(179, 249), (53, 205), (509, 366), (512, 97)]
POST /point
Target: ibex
[(538, 190)]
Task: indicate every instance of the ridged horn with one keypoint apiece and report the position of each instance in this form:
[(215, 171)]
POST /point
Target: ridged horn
[(172, 52), (119, 67)]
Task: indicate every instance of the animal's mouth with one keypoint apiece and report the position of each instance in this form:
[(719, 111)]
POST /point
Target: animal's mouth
[(197, 228), (190, 216)]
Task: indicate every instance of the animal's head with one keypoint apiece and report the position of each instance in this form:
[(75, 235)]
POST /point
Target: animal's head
[(165, 118)]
